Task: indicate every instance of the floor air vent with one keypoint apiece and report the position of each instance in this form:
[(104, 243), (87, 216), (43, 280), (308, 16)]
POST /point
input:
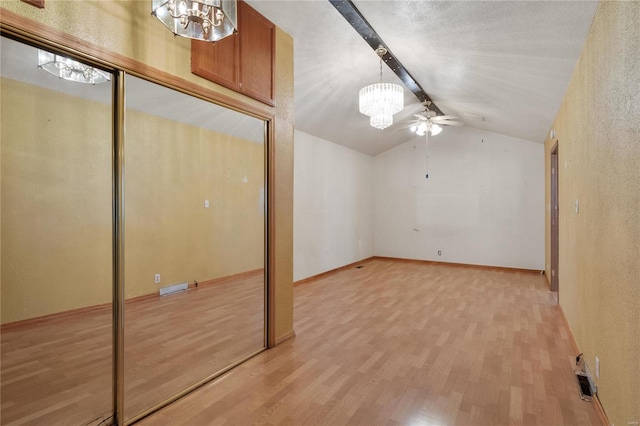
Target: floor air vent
[(359, 266), (170, 289)]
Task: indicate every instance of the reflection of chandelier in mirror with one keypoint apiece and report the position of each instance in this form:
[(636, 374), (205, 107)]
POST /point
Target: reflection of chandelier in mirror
[(381, 100), (208, 20), (69, 69)]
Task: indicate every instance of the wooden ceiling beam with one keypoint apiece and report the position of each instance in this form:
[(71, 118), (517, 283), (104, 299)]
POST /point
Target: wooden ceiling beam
[(353, 16)]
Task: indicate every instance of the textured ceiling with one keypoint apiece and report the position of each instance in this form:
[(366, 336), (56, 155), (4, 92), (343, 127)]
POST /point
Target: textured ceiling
[(509, 62)]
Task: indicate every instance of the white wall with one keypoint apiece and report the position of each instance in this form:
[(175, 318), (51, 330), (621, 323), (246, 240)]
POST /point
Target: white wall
[(482, 204), (333, 199)]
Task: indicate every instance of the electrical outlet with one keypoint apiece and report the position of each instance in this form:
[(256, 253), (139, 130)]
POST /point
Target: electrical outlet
[(439, 252), (156, 278), (597, 368)]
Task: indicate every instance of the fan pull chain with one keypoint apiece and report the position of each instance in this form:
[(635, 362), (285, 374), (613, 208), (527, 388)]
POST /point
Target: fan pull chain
[(427, 155)]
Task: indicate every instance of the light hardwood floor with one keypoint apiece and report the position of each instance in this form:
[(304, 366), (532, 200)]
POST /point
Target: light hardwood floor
[(58, 371), (405, 343)]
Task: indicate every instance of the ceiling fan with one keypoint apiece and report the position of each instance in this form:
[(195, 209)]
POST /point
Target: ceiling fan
[(428, 122)]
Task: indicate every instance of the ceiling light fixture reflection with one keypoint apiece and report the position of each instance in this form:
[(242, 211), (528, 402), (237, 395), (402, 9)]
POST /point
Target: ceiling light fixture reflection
[(69, 69), (207, 20), (381, 100)]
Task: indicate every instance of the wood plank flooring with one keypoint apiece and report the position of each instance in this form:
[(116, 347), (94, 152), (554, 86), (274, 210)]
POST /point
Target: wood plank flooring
[(58, 372), (405, 343)]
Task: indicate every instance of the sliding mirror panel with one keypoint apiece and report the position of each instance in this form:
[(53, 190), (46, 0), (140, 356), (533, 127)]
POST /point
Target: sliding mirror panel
[(56, 239), (194, 226)]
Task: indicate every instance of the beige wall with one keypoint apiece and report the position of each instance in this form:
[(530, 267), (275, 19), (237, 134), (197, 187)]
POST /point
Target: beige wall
[(598, 133), (282, 187), (126, 27), (56, 203), (170, 169)]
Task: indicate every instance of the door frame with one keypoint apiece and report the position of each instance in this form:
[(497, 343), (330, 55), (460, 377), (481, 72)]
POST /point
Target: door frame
[(554, 219)]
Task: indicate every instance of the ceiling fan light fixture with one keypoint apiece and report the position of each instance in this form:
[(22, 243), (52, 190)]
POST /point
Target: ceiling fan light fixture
[(421, 129), (207, 20)]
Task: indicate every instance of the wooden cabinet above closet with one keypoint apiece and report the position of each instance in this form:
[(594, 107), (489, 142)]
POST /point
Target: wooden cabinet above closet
[(244, 61)]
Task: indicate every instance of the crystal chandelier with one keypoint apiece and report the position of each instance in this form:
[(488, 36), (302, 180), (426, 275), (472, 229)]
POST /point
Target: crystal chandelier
[(69, 69), (381, 100), (208, 20)]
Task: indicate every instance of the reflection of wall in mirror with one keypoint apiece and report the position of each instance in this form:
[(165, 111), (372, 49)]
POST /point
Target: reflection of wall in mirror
[(108, 26), (56, 203), (171, 168)]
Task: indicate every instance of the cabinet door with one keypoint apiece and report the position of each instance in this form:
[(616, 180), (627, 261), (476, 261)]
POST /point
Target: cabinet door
[(257, 54), (217, 62)]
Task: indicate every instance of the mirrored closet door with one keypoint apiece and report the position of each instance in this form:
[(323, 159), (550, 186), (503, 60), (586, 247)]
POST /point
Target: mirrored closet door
[(193, 241), (56, 238), (194, 249)]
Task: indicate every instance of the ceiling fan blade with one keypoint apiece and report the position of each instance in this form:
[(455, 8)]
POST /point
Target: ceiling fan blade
[(450, 123), (445, 117), (406, 126)]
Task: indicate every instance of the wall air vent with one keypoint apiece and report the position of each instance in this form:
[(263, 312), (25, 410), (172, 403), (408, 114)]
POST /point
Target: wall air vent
[(175, 288), (585, 386), (585, 382)]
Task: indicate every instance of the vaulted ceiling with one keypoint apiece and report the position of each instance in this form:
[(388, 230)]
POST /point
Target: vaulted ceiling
[(507, 61)]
